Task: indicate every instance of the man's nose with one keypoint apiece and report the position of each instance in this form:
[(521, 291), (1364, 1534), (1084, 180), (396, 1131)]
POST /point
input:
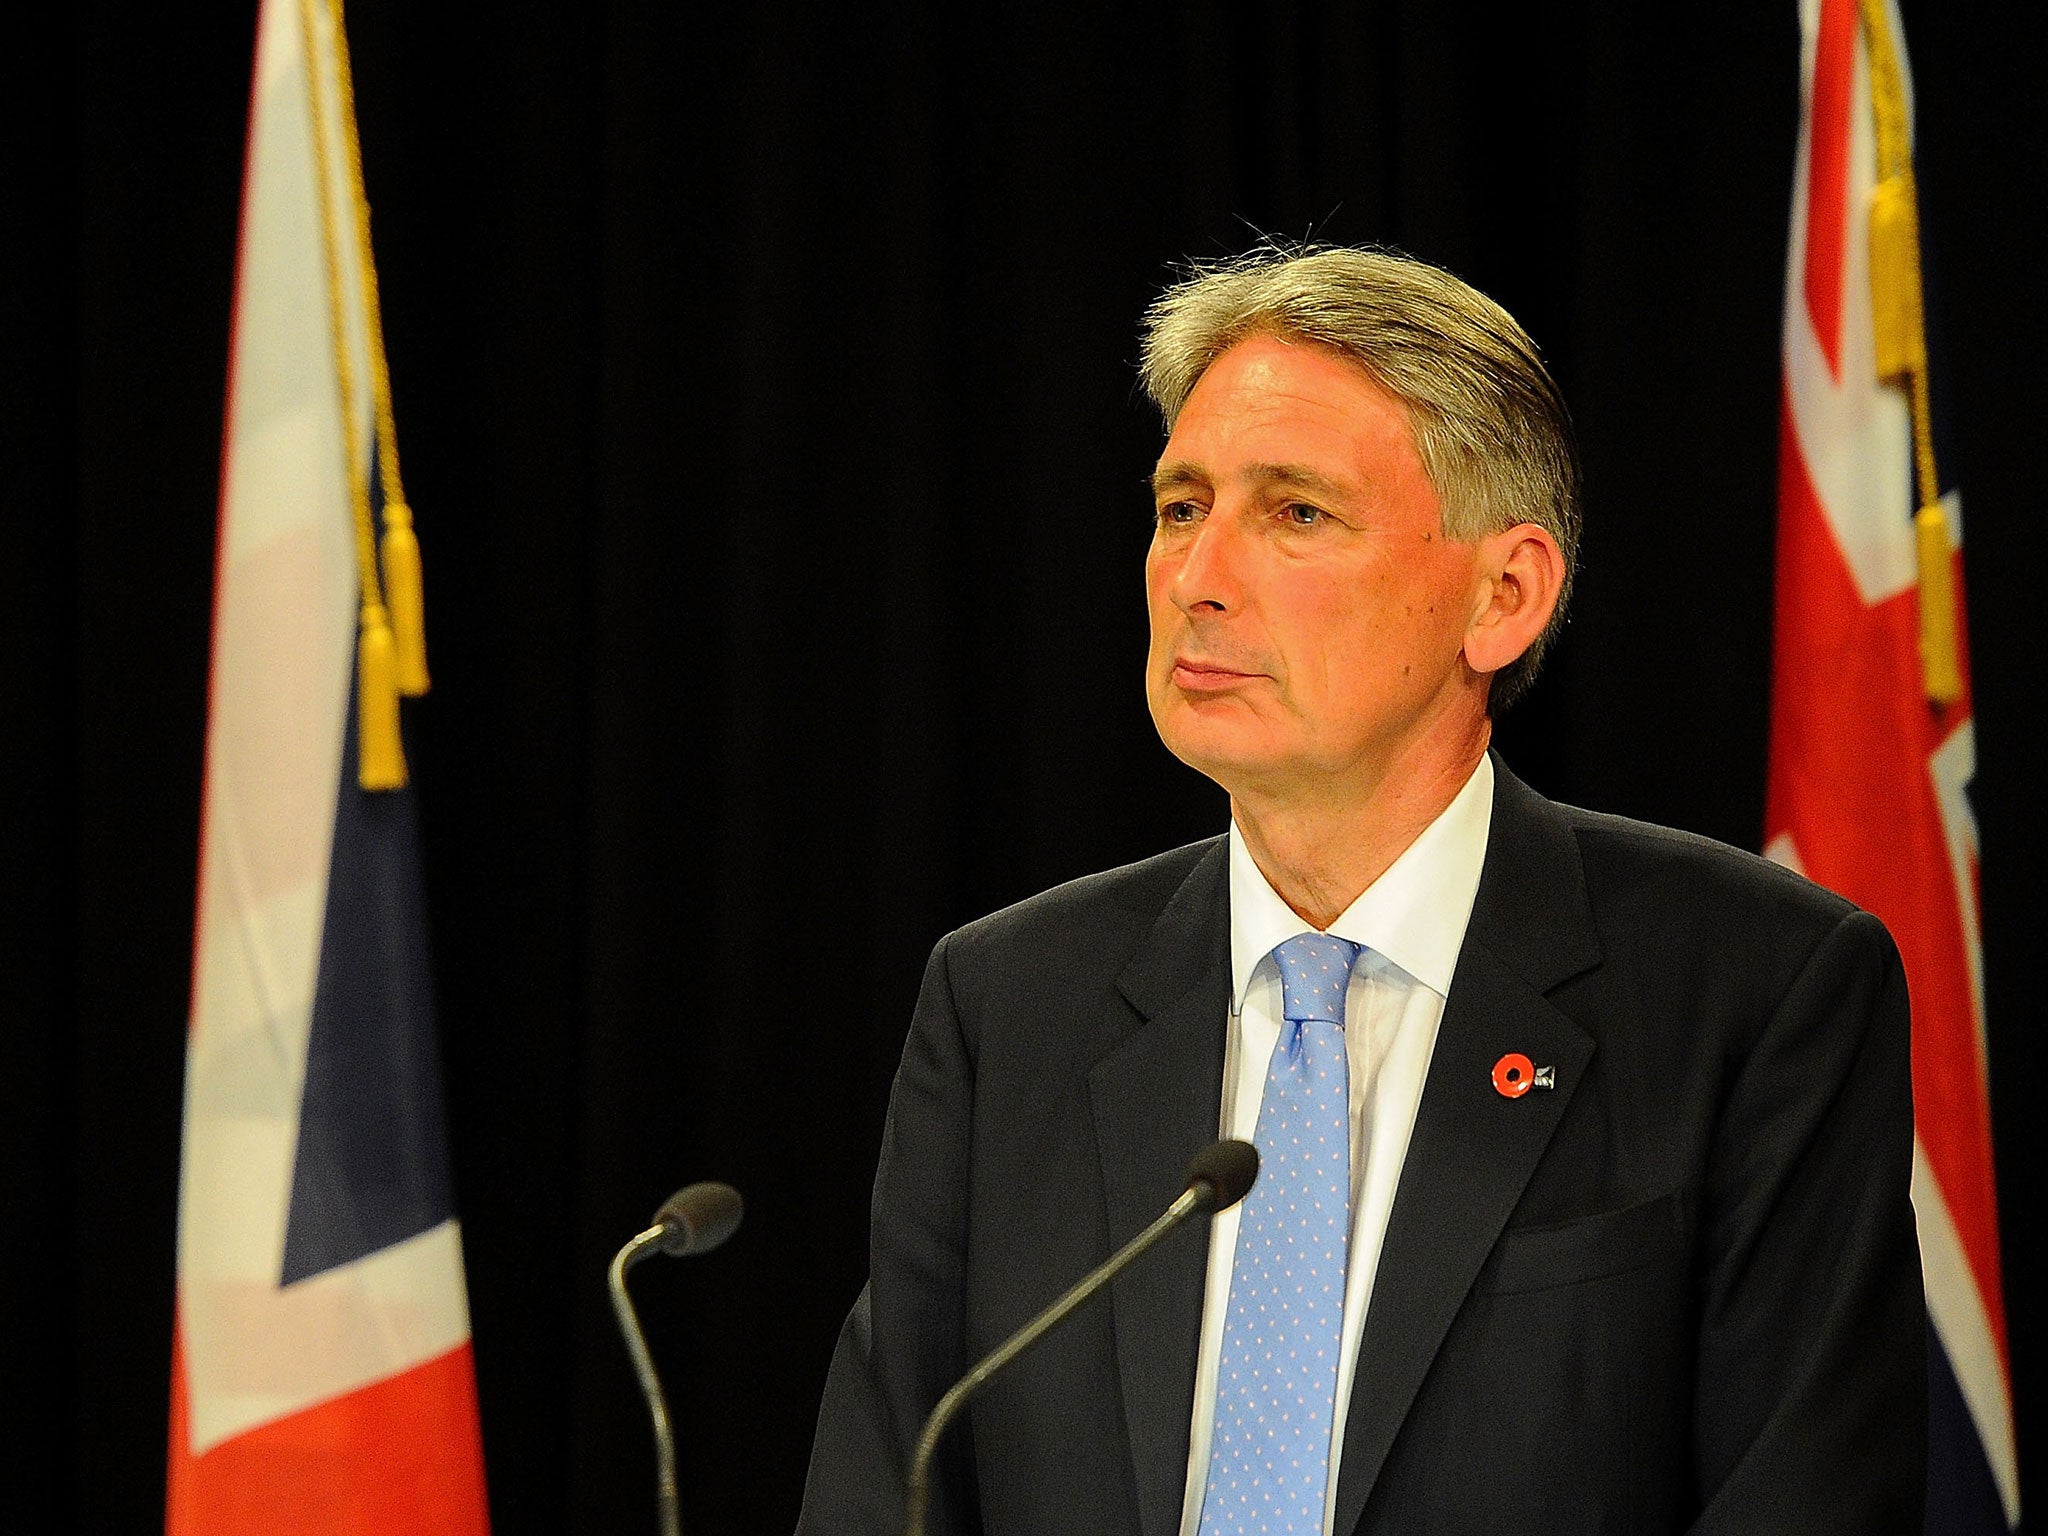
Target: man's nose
[(1209, 578)]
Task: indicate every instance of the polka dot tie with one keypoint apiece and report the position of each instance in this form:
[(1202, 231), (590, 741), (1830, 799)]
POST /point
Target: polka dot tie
[(1276, 1382)]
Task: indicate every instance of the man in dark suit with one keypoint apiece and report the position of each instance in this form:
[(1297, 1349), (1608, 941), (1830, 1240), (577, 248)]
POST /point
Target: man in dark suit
[(1585, 1193)]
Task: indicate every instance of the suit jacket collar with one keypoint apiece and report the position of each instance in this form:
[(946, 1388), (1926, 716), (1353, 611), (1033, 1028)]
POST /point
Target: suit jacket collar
[(1532, 910), (1473, 1149)]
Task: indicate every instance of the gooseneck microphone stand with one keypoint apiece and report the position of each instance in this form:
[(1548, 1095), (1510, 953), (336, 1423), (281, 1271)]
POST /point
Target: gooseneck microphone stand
[(695, 1220), (650, 1382)]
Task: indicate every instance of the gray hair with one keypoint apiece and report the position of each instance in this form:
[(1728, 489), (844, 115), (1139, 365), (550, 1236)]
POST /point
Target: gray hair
[(1489, 423)]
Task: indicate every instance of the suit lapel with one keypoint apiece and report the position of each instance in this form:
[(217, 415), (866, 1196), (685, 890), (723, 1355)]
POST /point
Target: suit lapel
[(1155, 1098), (1473, 1150)]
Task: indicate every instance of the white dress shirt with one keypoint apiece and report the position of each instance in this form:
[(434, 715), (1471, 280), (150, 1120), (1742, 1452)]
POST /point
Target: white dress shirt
[(1411, 922)]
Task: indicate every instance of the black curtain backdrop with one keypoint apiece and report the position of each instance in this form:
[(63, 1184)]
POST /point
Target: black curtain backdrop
[(764, 383)]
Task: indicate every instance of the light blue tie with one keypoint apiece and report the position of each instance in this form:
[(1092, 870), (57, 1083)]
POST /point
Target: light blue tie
[(1276, 1383)]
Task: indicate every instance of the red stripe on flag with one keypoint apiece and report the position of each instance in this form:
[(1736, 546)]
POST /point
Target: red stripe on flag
[(1851, 738), (398, 1457), (1827, 173)]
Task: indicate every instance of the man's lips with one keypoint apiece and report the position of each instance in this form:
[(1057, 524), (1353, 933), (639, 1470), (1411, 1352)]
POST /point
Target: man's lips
[(1209, 676)]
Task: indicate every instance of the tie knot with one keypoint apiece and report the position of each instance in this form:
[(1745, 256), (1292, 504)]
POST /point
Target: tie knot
[(1315, 969)]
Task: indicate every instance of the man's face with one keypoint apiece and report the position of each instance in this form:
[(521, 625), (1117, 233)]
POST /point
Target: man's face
[(1307, 612)]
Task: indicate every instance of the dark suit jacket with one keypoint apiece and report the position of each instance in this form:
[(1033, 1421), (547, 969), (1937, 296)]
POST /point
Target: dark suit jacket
[(1678, 1291)]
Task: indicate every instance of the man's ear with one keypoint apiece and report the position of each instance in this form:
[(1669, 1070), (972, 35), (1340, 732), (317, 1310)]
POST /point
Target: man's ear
[(1521, 573)]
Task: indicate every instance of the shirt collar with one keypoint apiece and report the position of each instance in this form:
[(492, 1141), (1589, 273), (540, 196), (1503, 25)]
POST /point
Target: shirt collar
[(1414, 915)]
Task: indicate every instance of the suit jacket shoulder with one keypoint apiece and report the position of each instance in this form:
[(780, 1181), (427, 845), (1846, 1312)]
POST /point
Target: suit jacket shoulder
[(1669, 869), (1131, 894), (1078, 938), (1569, 891)]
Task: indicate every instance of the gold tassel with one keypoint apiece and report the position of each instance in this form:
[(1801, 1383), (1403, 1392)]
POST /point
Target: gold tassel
[(381, 757), (402, 591), (1895, 277), (1937, 605)]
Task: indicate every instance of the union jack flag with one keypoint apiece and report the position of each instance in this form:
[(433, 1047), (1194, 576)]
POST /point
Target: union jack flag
[(322, 1382), (1871, 749)]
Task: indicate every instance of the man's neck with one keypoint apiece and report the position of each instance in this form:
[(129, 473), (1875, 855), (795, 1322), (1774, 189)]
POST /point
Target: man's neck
[(1320, 853)]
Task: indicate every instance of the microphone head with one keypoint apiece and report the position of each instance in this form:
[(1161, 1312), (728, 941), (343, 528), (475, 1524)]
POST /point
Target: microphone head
[(696, 1219), (1226, 1169)]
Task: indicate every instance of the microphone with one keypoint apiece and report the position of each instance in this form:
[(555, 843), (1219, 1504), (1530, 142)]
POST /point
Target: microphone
[(1216, 1180), (692, 1220), (698, 1219)]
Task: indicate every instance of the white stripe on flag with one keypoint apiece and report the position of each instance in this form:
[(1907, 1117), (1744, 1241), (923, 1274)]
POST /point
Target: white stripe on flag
[(1855, 435), (1958, 1313)]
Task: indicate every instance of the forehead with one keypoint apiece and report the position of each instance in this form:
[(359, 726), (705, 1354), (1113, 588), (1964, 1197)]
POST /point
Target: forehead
[(1274, 400)]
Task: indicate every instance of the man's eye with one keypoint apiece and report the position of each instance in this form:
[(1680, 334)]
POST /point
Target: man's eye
[(1300, 514), (1178, 514)]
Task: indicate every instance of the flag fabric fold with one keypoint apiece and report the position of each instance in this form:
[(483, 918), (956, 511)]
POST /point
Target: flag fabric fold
[(322, 1380), (1871, 751)]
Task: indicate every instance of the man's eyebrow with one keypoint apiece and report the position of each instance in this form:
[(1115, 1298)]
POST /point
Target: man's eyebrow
[(1180, 475), (1176, 476)]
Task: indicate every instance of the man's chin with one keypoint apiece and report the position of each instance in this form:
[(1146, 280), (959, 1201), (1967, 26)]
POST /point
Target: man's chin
[(1230, 751)]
